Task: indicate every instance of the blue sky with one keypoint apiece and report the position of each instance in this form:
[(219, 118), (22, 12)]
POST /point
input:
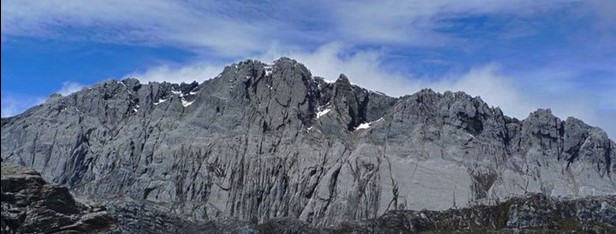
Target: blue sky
[(519, 55)]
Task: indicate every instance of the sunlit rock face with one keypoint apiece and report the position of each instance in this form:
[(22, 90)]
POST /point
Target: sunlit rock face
[(264, 141)]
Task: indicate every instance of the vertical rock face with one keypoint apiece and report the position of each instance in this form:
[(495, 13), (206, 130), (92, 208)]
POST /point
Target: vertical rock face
[(263, 141), (31, 205)]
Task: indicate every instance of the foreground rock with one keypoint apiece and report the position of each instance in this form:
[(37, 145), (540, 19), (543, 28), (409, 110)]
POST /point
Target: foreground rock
[(31, 205), (262, 142), (537, 214)]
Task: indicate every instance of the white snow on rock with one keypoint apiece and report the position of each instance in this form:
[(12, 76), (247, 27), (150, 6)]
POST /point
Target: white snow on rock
[(186, 103), (323, 112), (268, 70), (367, 125), (175, 92), (363, 126), (160, 101)]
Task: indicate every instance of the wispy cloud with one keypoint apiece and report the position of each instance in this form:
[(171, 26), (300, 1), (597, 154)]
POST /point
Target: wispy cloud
[(13, 104), (414, 22), (69, 87), (155, 22), (187, 74), (232, 29), (16, 103)]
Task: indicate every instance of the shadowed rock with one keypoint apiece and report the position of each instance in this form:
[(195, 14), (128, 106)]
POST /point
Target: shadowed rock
[(31, 205), (533, 214)]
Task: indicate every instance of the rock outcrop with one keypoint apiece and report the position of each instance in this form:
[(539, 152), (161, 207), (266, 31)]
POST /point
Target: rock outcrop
[(261, 142), (31, 205), (536, 213)]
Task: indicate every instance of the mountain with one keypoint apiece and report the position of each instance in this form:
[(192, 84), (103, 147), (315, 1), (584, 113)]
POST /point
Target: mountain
[(266, 141)]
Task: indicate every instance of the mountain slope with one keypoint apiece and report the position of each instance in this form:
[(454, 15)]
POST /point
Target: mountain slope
[(266, 141)]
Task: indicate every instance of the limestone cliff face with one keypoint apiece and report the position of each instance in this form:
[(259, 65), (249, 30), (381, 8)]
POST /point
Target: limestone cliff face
[(264, 141)]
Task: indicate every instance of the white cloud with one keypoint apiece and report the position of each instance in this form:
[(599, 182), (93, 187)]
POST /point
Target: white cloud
[(187, 74), (14, 104), (69, 87), (231, 29), (363, 67), (493, 88), (158, 22)]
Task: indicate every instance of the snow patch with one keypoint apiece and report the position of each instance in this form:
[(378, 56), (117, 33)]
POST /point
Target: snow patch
[(176, 92), (363, 126), (193, 92), (186, 103), (160, 101), (367, 125), (268, 70), (323, 112)]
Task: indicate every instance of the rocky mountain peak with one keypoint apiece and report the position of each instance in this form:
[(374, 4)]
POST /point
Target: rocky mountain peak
[(343, 79), (263, 141)]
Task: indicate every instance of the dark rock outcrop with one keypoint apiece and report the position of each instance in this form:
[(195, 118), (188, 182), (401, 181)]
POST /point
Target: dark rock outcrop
[(31, 205), (537, 213)]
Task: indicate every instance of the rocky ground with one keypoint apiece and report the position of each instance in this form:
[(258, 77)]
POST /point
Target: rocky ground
[(534, 213)]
